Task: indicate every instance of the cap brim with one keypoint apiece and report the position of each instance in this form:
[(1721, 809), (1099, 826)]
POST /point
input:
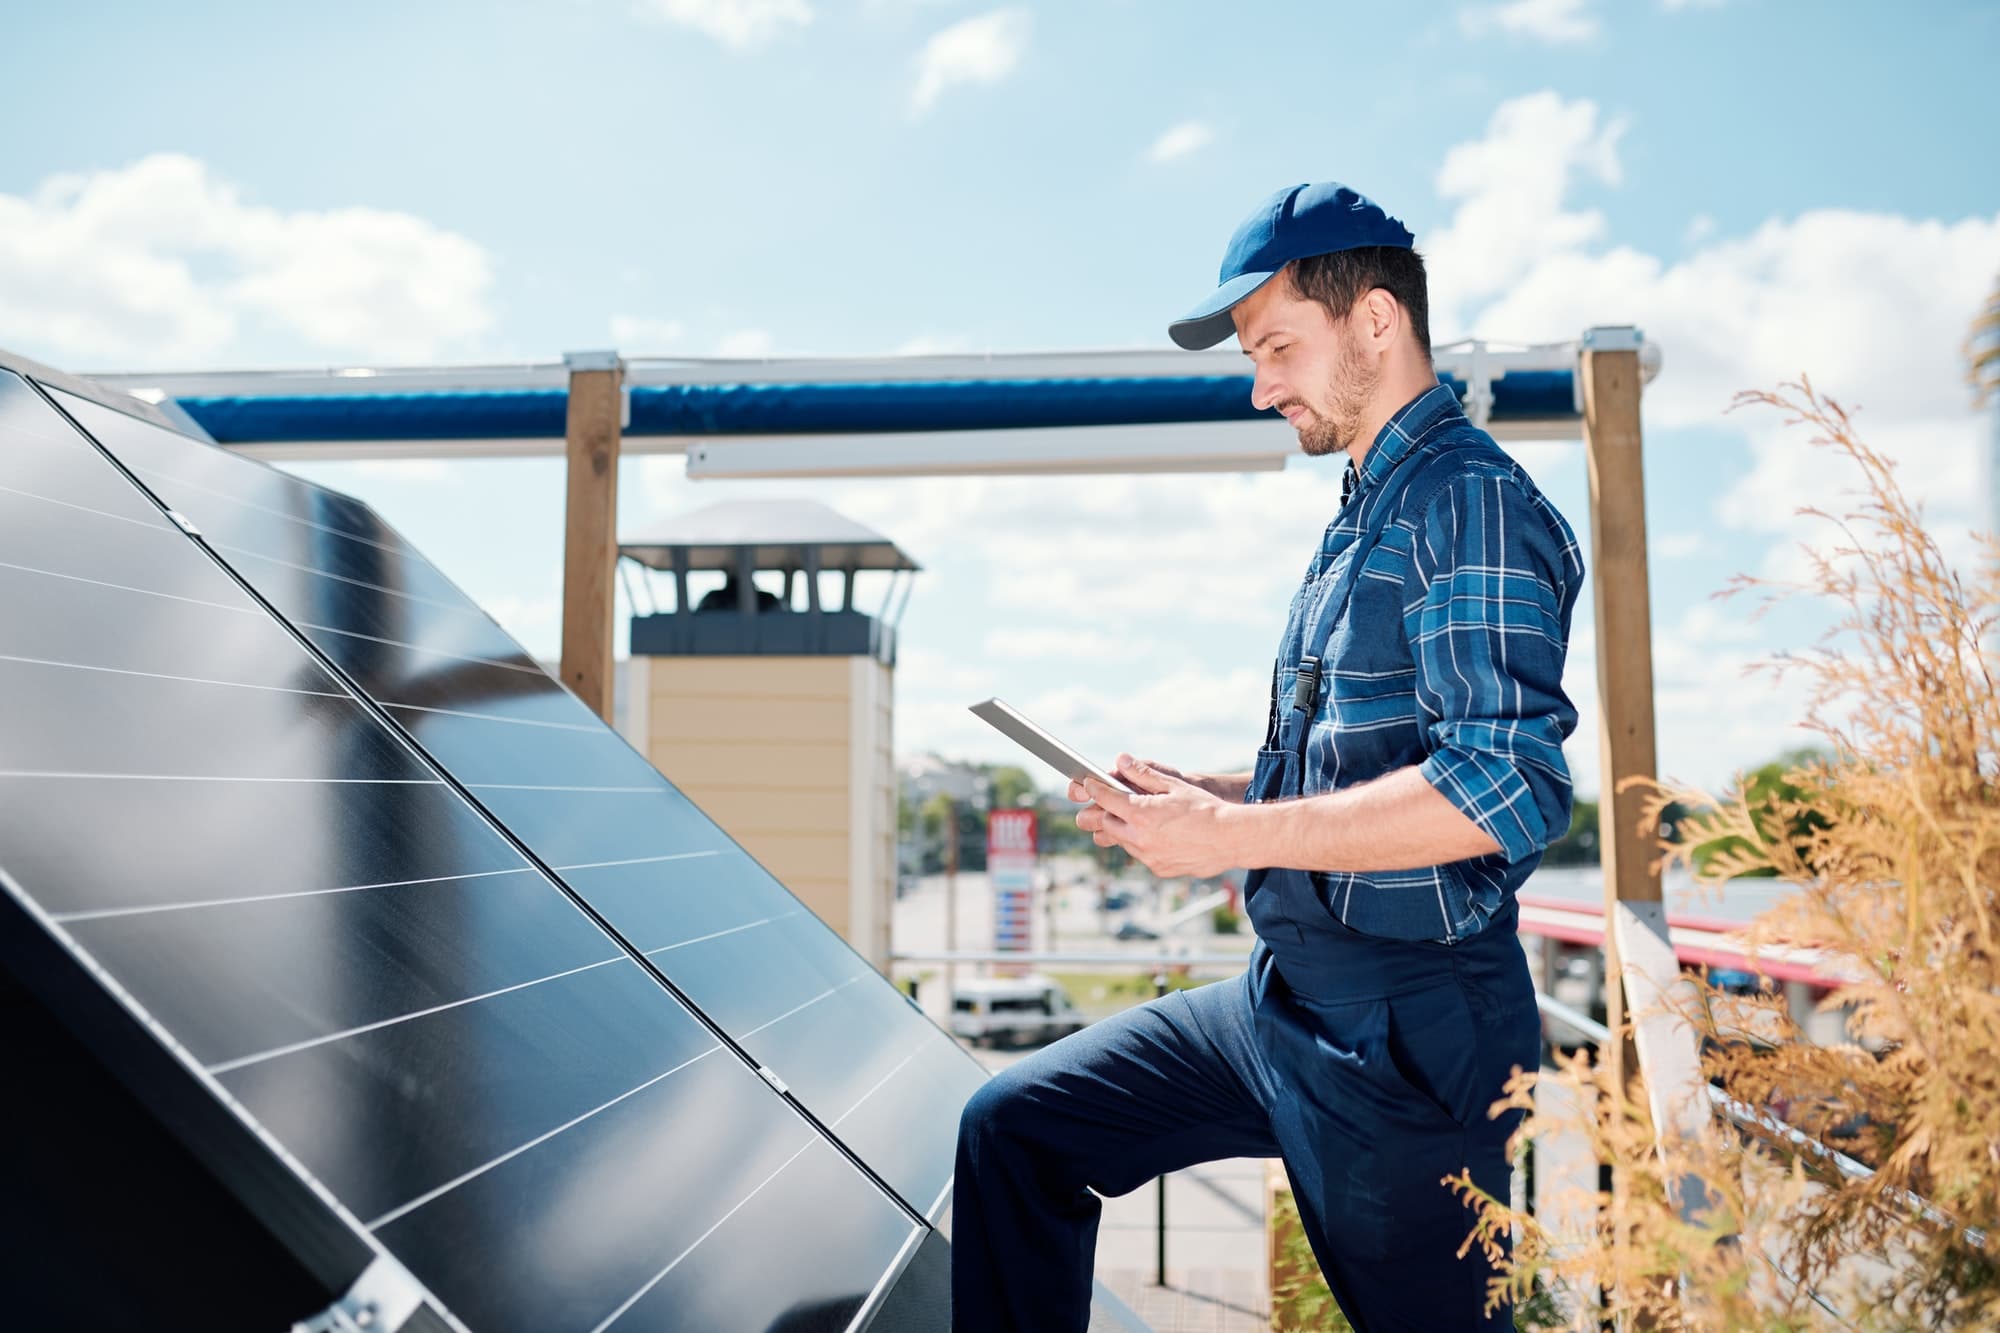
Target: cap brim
[(1209, 323)]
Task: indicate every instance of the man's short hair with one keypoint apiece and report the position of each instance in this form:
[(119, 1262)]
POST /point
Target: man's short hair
[(1340, 279)]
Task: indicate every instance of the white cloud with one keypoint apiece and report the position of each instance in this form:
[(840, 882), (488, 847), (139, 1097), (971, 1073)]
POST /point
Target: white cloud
[(1936, 463), (1678, 545), (643, 333), (746, 343), (162, 262), (1700, 227), (985, 49), (1557, 22), (1079, 647), (741, 24), (1511, 187), (1190, 136), (1872, 305)]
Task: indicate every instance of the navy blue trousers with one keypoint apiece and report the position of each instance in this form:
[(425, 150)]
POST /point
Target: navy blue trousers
[(1372, 1090)]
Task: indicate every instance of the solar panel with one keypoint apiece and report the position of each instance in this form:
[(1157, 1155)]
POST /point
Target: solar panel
[(734, 941), (326, 946)]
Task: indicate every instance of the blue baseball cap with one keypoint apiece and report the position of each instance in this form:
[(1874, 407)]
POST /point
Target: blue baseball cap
[(1297, 221)]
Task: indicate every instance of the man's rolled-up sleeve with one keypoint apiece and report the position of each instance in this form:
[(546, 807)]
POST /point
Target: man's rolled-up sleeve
[(1486, 618)]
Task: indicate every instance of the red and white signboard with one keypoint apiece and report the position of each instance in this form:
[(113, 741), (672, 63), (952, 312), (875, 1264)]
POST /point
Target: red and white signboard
[(1010, 869)]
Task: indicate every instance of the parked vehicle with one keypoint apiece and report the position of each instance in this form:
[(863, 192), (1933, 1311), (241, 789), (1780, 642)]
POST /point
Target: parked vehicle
[(1013, 1010)]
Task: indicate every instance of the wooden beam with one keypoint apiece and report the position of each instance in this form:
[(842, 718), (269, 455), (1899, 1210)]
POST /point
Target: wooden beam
[(590, 526), (1623, 608)]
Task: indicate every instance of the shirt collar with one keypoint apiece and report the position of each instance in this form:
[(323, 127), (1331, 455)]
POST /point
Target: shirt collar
[(1399, 437)]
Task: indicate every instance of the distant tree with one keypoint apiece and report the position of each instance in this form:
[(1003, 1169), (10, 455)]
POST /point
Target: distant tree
[(1770, 793), (1579, 846), (932, 819), (1011, 787)]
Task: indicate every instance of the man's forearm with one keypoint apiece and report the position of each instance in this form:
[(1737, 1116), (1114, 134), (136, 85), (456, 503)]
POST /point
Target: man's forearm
[(1397, 822), (1229, 786)]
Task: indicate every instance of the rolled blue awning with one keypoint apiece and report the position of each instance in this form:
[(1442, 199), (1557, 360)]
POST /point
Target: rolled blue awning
[(830, 408)]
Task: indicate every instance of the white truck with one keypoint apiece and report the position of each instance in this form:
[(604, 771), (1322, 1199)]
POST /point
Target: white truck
[(1022, 1010)]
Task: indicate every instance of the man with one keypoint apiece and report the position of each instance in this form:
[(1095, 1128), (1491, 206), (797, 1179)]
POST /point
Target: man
[(1410, 776)]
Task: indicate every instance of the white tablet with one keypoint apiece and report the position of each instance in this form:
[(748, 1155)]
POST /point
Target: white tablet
[(1044, 746)]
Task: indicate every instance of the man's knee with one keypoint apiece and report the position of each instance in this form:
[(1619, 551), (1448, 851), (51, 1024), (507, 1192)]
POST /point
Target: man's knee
[(993, 1112)]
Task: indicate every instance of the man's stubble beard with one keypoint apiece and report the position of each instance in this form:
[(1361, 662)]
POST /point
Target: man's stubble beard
[(1347, 399)]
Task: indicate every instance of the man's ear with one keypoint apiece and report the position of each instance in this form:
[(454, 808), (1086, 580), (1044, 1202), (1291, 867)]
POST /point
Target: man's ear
[(1383, 314)]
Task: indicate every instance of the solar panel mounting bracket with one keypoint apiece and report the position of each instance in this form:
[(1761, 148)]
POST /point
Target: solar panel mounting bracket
[(184, 523), (381, 1300), (765, 1072)]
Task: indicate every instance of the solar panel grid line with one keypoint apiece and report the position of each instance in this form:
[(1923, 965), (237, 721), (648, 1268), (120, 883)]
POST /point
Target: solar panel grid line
[(717, 934), (743, 1066), (527, 668), (315, 780), (558, 786), (801, 1008), (438, 1192), (175, 479), (660, 1276), (81, 508), (640, 860), (121, 587), (167, 675), (107, 913), (228, 549), (399, 548), (878, 1086), (292, 1048), (490, 717), (246, 1122)]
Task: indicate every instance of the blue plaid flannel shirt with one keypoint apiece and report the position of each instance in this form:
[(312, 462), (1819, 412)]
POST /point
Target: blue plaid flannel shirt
[(1449, 657)]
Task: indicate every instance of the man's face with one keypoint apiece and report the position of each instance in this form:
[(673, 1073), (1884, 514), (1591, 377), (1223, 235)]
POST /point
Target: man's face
[(1309, 367)]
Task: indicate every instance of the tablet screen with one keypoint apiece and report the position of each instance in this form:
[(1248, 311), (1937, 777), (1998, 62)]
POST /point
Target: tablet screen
[(1043, 746)]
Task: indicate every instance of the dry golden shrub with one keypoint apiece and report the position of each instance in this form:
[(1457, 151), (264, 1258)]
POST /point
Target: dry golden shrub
[(1892, 838)]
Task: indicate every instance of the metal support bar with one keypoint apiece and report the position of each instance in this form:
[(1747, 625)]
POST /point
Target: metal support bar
[(381, 1300)]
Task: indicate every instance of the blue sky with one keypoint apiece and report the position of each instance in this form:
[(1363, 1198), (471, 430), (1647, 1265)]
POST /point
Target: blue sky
[(1765, 188)]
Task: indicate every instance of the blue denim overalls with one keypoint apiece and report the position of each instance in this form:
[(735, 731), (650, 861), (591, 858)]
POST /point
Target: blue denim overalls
[(1367, 1064)]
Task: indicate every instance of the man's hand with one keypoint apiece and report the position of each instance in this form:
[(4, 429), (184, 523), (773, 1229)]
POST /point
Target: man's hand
[(1229, 786), (1171, 826)]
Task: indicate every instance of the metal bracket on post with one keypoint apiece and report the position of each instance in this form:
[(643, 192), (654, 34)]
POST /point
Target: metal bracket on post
[(381, 1300), (574, 362), (1479, 379), (1615, 338)]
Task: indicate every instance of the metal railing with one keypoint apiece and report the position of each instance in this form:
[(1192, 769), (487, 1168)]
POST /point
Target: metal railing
[(1157, 963)]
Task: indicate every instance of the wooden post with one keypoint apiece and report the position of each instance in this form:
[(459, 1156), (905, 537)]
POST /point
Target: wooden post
[(1622, 602), (590, 524), (1623, 608)]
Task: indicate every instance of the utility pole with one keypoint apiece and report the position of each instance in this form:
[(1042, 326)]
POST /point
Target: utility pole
[(950, 908)]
